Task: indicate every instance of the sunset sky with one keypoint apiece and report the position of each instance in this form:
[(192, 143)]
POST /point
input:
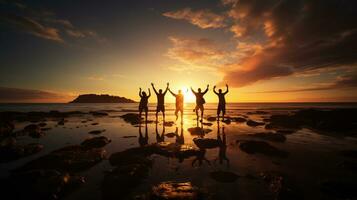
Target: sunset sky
[(271, 50)]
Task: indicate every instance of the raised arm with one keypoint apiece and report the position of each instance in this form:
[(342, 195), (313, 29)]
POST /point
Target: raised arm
[(153, 87), (226, 89), (149, 93), (214, 90), (173, 94), (193, 91), (140, 92), (206, 90), (167, 88)]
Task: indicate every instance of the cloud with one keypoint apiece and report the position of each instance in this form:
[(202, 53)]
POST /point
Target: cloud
[(341, 82), (45, 24), (17, 95), (33, 27), (194, 51), (201, 18), (295, 37)]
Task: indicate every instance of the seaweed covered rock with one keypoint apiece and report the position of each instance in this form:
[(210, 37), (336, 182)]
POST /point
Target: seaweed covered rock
[(96, 132), (132, 118), (260, 147), (275, 137), (67, 159), (34, 130), (176, 191), (239, 119), (96, 142)]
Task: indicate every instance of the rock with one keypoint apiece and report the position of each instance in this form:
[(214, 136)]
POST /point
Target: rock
[(224, 176), (239, 119), (6, 128), (169, 123), (41, 184), (198, 130), (207, 124), (206, 143), (34, 131), (46, 129), (211, 119), (275, 137), (98, 114), (279, 187), (131, 118), (10, 151), (94, 123), (339, 189), (227, 121), (258, 112), (96, 132), (96, 142), (176, 191), (67, 159), (260, 147), (253, 123), (170, 135)]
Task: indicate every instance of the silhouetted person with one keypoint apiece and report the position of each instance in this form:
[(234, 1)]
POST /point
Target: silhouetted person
[(179, 138), (221, 101), (143, 105), (222, 146), (143, 140), (160, 138), (160, 100), (200, 100), (179, 103)]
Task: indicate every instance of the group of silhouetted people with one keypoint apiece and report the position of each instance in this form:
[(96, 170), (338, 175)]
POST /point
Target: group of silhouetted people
[(200, 101)]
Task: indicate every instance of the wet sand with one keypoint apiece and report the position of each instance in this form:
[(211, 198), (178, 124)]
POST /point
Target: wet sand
[(231, 160)]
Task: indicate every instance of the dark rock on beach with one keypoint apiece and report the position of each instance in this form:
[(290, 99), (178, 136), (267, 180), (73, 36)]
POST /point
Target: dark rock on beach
[(260, 147), (34, 131), (98, 114), (40, 184), (169, 123), (198, 130), (103, 98), (96, 132), (338, 121), (67, 159), (10, 150), (238, 119), (339, 189), (206, 143), (170, 135), (254, 123), (6, 128), (96, 142), (279, 187), (211, 119), (131, 118)]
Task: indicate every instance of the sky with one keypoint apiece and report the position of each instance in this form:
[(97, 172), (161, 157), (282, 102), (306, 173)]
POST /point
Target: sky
[(266, 51)]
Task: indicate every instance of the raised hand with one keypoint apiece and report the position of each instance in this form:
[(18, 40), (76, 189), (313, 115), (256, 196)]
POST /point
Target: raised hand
[(214, 87), (152, 84), (167, 84), (207, 85)]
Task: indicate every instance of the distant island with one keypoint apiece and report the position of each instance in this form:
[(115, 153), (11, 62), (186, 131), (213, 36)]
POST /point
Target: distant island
[(103, 98)]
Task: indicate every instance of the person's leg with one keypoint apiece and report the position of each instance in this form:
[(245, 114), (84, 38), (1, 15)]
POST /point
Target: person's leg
[(146, 114), (157, 111), (196, 109), (181, 112), (202, 110), (223, 111), (218, 112)]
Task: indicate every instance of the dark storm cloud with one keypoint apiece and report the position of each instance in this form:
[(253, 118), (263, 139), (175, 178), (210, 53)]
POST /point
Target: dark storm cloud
[(298, 36), (26, 95)]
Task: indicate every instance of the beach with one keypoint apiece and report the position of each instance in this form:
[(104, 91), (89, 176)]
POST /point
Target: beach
[(250, 156)]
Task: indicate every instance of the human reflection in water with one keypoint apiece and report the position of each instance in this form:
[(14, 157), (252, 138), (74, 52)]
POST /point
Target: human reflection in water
[(143, 140), (179, 138), (222, 146), (200, 157), (160, 138)]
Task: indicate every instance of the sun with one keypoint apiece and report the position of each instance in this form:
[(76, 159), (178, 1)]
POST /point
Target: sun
[(188, 95)]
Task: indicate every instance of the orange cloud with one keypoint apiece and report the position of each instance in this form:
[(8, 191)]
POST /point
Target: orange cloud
[(201, 18)]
